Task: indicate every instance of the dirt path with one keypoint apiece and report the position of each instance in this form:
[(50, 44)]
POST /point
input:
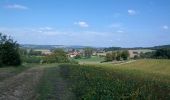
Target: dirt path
[(21, 86)]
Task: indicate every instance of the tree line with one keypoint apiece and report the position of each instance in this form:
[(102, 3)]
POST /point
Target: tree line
[(12, 55), (163, 53), (117, 55)]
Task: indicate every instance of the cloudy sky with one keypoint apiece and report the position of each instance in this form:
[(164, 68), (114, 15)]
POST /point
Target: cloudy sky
[(125, 23)]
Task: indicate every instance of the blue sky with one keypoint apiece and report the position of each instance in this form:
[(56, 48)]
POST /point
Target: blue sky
[(125, 23)]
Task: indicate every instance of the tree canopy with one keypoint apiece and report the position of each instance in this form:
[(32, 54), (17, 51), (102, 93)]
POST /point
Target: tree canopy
[(9, 51)]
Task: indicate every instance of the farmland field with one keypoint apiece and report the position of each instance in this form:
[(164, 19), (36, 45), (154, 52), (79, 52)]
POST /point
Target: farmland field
[(92, 60), (142, 80)]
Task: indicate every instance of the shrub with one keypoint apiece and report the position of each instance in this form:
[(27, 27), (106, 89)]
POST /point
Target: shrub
[(58, 56), (9, 51), (31, 59)]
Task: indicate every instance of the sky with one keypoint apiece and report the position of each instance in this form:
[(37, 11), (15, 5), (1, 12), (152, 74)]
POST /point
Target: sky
[(99, 23)]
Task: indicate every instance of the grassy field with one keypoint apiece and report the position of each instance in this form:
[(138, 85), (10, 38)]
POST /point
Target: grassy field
[(142, 80), (146, 79), (92, 60)]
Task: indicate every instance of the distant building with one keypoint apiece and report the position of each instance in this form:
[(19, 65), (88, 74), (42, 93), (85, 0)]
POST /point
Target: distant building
[(73, 54)]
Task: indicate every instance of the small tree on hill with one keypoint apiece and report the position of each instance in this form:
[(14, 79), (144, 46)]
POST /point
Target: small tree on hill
[(125, 55)]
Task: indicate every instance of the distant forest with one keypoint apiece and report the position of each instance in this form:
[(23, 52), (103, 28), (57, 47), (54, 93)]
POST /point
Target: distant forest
[(135, 48)]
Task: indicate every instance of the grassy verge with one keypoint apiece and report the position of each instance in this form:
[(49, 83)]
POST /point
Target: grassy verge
[(6, 72), (92, 60), (52, 86), (100, 83)]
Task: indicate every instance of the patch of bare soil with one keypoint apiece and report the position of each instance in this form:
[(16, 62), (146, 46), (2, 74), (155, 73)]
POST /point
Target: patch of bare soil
[(21, 86)]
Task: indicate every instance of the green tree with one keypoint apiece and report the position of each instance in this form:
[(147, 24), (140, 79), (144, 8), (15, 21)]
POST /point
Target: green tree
[(113, 55), (88, 52), (108, 57), (58, 56), (118, 55), (35, 53), (125, 54), (9, 51), (162, 54), (77, 57)]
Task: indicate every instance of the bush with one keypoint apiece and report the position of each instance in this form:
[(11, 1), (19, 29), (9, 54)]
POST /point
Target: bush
[(31, 59), (77, 57), (119, 55), (58, 56), (108, 57), (72, 61), (162, 54), (9, 51)]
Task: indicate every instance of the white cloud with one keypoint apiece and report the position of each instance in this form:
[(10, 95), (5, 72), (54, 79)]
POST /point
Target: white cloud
[(131, 12), (46, 28), (165, 27), (16, 6), (47, 31), (82, 24), (120, 31)]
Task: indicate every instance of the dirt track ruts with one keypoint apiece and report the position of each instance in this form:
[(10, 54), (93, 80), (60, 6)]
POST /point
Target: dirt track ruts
[(21, 86)]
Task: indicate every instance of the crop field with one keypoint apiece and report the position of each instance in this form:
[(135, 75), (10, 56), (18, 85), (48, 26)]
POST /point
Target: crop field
[(139, 80), (92, 60), (142, 80)]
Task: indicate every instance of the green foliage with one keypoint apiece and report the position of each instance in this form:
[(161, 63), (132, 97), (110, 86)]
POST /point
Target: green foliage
[(112, 49), (58, 56), (125, 54), (34, 53), (136, 57), (9, 51), (119, 55), (23, 52), (162, 54), (103, 83), (31, 59), (72, 61), (78, 57), (147, 55), (109, 57), (158, 54), (113, 55), (88, 52), (92, 60)]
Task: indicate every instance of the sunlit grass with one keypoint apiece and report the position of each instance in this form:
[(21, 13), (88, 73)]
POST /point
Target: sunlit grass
[(142, 79)]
